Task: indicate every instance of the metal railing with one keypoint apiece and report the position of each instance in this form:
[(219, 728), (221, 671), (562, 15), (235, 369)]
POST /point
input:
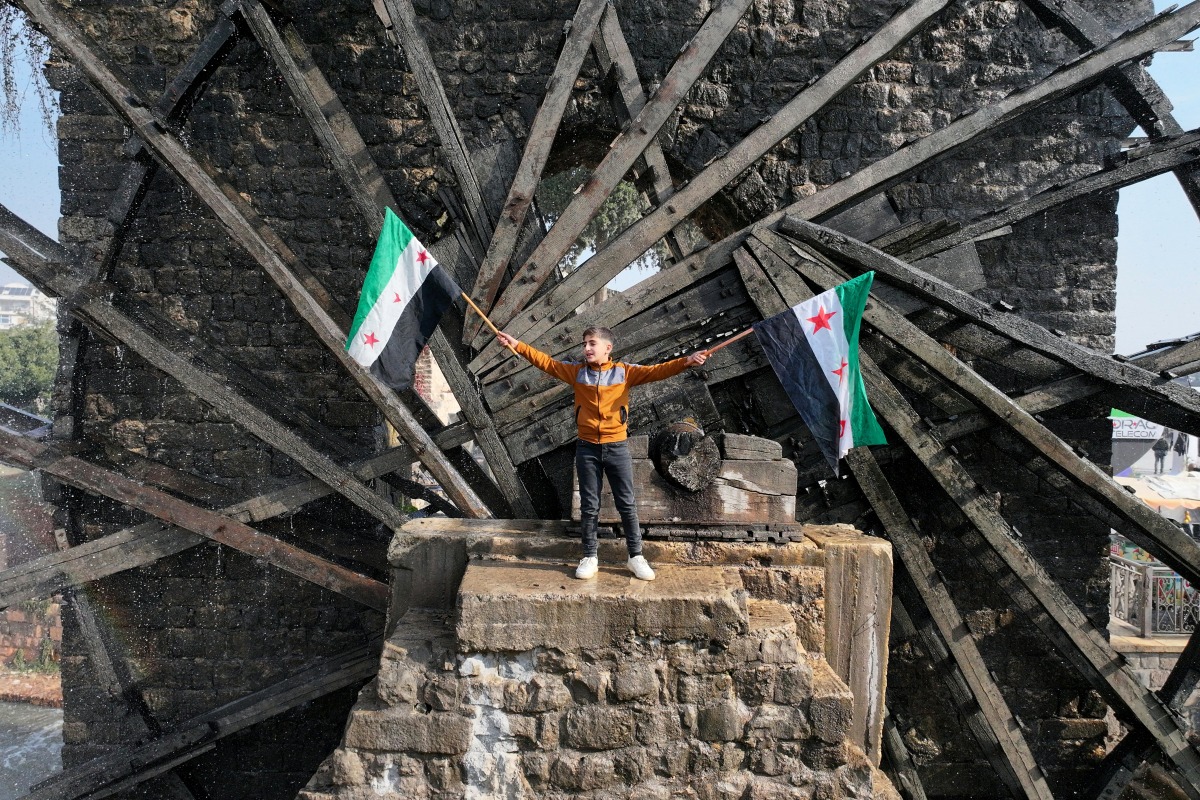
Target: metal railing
[(1149, 596)]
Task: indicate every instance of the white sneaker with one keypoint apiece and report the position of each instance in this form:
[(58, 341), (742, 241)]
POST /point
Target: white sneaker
[(588, 565), (640, 568)]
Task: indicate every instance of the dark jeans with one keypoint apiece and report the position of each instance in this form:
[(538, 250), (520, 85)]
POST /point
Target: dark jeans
[(592, 461)]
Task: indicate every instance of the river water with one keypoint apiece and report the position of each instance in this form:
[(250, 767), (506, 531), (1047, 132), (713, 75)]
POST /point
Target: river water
[(30, 743)]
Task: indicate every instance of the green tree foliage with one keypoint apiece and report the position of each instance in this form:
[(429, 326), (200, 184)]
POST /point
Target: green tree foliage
[(28, 359), (621, 210)]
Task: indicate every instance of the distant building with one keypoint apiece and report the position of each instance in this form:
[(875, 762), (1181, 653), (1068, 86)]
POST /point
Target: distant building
[(24, 305)]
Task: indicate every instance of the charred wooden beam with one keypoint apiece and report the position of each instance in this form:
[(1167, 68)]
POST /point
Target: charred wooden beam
[(209, 524), (903, 770), (250, 232), (131, 766), (612, 53), (558, 303), (399, 17), (1155, 158), (968, 682), (172, 105), (529, 172), (149, 542), (623, 152), (353, 163), (1080, 73), (41, 260), (1131, 85)]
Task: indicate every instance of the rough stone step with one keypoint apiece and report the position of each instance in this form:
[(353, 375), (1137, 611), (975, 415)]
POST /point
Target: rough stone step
[(770, 618), (832, 706), (505, 606)]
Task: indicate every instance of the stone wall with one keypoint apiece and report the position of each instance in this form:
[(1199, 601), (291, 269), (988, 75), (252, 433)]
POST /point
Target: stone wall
[(34, 630), (506, 677), (233, 625)]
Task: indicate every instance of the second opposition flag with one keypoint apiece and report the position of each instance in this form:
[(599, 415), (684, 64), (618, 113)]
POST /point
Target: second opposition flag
[(813, 348)]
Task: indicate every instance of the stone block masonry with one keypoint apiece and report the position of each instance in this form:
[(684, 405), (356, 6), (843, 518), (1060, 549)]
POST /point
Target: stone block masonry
[(534, 684)]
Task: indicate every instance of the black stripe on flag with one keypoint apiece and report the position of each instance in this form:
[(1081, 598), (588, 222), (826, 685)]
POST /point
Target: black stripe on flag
[(398, 361), (783, 340)]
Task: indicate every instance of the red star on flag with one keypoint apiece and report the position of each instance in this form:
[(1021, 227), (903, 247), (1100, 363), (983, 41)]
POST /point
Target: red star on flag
[(397, 300), (840, 371), (370, 339), (421, 259), (821, 320), (842, 429)]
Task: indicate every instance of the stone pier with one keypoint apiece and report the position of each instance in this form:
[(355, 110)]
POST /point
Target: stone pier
[(505, 677)]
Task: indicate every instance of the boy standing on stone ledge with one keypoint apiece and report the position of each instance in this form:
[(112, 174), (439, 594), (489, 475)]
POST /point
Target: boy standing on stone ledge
[(601, 418)]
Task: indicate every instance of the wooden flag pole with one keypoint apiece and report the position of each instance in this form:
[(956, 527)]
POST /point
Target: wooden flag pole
[(484, 317), (729, 341)]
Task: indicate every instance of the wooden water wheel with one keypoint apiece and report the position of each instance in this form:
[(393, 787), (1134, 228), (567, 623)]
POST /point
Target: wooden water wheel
[(960, 382)]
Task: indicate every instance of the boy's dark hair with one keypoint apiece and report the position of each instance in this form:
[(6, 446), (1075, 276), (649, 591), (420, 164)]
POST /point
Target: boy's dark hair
[(602, 333)]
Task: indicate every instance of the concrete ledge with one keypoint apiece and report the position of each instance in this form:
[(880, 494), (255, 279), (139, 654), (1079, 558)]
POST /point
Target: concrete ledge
[(518, 607)]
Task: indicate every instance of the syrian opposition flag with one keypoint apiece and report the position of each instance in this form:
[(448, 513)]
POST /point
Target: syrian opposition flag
[(813, 348), (403, 297)]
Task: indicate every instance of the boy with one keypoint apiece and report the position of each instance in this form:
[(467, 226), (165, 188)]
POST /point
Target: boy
[(601, 415)]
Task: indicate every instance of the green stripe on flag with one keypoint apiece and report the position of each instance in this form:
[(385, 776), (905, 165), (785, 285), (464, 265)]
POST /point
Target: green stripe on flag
[(853, 296), (393, 239)]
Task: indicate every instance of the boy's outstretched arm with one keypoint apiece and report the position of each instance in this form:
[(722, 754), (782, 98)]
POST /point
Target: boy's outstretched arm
[(556, 369)]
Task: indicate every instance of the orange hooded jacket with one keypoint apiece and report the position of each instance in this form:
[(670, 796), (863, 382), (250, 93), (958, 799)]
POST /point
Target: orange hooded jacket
[(601, 393)]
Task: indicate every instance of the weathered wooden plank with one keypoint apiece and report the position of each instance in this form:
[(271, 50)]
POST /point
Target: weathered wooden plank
[(612, 53), (1016, 766), (904, 771), (1131, 85), (1165, 539), (529, 171), (958, 134), (1148, 161), (325, 113), (1019, 330), (210, 524), (551, 308), (150, 541), (353, 163), (173, 104), (249, 231), (693, 59), (400, 17), (130, 766), (17, 237)]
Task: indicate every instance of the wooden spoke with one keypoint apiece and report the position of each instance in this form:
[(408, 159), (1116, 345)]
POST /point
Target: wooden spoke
[(172, 105), (131, 766), (25, 453), (623, 152), (639, 237), (249, 231), (399, 17), (354, 165), (1082, 72), (612, 53), (533, 161), (1148, 161), (1131, 85)]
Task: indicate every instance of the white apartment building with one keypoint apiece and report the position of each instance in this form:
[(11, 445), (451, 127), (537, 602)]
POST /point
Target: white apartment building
[(21, 304)]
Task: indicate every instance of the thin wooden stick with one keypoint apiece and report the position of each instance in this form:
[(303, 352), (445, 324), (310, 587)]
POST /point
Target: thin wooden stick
[(729, 341), (484, 317)]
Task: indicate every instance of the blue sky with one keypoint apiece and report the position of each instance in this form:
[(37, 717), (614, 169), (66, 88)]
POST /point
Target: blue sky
[(1158, 291)]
